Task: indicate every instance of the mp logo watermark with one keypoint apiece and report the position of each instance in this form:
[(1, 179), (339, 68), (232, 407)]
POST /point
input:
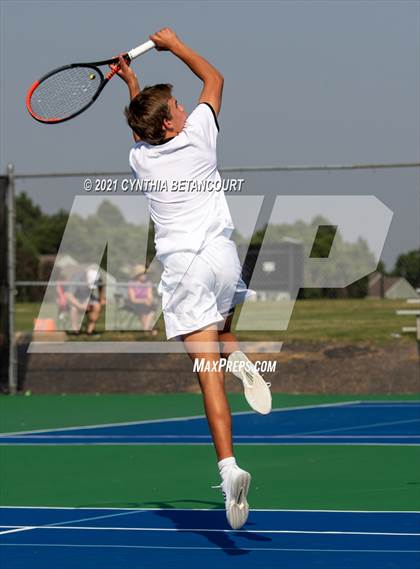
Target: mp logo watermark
[(309, 241)]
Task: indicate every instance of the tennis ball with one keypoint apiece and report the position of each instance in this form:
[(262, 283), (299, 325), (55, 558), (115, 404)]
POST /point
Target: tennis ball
[(92, 76), (28, 393)]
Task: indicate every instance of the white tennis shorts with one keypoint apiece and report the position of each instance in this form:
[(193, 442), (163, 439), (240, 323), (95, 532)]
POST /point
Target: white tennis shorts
[(199, 289)]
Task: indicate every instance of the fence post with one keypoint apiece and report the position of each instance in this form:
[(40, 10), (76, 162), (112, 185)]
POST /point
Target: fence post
[(11, 278)]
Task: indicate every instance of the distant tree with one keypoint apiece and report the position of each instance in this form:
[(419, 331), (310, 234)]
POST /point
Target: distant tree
[(381, 268), (48, 232), (359, 289), (39, 233), (27, 255), (408, 266), (258, 236), (86, 238), (322, 244), (27, 213), (110, 214), (26, 266)]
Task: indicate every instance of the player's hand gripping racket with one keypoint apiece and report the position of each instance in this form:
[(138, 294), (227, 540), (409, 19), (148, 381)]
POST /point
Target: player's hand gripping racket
[(68, 91)]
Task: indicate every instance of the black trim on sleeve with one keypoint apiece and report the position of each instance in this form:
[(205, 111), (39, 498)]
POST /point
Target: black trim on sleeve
[(164, 141), (214, 114)]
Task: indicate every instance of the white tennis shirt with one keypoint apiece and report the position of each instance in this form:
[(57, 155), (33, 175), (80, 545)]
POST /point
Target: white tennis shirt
[(185, 219)]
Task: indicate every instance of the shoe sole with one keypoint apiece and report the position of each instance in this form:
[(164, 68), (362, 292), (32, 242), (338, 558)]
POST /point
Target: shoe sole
[(238, 509), (258, 384)]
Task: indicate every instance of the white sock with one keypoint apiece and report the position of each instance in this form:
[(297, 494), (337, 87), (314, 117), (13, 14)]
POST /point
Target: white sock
[(225, 464)]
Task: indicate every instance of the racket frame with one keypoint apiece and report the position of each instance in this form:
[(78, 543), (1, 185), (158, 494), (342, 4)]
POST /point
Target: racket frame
[(129, 56), (91, 66)]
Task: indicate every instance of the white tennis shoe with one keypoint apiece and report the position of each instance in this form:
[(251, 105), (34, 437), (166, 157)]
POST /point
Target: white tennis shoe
[(235, 486), (257, 391)]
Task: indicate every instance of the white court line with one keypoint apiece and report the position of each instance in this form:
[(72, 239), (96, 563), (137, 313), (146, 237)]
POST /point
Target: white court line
[(160, 547), (209, 443), (381, 404), (57, 524), (208, 437), (205, 510), (214, 530), (355, 427), (151, 421), (188, 418), (60, 525), (17, 529)]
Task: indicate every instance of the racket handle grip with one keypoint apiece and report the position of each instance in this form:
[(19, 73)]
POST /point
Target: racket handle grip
[(147, 46)]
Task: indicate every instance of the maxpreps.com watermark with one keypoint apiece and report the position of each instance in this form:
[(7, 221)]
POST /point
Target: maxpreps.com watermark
[(223, 364), (129, 185)]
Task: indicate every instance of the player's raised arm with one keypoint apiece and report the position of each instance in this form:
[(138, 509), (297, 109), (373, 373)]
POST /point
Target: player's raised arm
[(167, 40), (130, 78)]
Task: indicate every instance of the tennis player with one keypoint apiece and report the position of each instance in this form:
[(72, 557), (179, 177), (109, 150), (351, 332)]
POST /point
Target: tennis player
[(201, 280)]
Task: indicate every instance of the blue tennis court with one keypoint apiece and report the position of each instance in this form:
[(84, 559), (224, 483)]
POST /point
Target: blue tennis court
[(96, 529), (47, 538), (347, 423)]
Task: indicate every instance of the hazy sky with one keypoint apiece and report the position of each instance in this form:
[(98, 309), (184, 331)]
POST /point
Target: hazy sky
[(305, 83)]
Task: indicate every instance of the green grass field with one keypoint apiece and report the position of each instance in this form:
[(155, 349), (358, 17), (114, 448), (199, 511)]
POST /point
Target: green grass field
[(349, 320)]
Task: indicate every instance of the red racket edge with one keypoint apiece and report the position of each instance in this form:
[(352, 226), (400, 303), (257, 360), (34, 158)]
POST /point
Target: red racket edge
[(31, 112)]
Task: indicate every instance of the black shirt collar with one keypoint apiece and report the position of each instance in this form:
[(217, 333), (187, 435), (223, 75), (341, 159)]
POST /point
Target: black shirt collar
[(164, 141)]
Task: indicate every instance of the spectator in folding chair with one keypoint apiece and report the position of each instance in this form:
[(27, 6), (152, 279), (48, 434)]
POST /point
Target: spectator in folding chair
[(140, 299), (86, 294)]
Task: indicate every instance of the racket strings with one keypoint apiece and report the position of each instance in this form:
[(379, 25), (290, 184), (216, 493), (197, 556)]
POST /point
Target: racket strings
[(65, 93)]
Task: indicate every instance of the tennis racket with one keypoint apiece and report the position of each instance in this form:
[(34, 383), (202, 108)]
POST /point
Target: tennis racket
[(67, 91)]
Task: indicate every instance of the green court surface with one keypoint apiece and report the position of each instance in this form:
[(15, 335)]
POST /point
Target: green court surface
[(291, 476)]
